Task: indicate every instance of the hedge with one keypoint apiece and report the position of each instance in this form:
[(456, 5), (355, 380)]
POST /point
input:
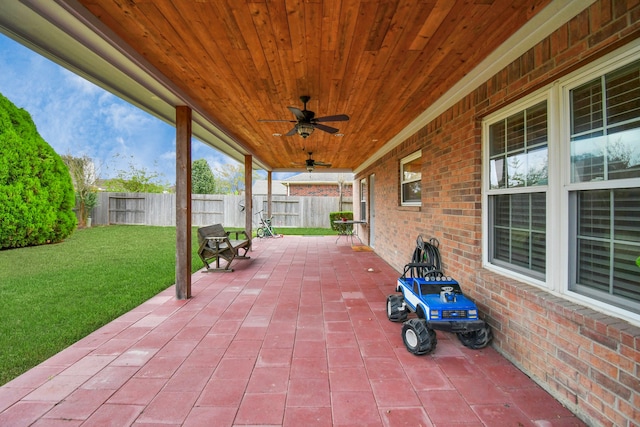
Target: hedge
[(36, 192)]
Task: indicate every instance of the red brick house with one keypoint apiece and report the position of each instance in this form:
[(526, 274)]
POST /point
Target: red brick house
[(319, 184), (524, 165), (536, 207)]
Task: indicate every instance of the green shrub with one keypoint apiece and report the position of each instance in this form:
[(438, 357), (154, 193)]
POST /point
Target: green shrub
[(36, 193), (336, 216)]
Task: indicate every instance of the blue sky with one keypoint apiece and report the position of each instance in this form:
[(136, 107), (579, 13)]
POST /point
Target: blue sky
[(77, 117)]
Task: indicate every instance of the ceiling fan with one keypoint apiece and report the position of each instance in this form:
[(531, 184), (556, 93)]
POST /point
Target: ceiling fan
[(306, 122), (311, 164)]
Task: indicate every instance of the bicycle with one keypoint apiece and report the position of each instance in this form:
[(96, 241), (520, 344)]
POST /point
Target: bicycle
[(265, 229)]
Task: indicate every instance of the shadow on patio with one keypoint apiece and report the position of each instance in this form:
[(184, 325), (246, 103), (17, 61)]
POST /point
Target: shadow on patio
[(296, 336)]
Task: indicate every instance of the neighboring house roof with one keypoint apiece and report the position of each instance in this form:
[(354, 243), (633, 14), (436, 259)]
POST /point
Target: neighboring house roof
[(306, 178), (260, 188)]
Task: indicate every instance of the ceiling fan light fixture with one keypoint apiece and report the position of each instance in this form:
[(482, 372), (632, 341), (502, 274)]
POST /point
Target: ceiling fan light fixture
[(310, 164), (305, 129)]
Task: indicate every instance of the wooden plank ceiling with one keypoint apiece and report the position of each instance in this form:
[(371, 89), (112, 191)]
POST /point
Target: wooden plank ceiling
[(382, 62)]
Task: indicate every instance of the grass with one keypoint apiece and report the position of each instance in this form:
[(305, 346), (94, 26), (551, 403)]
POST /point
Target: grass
[(54, 295)]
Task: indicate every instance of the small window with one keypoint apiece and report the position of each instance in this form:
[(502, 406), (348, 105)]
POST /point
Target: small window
[(363, 200), (411, 179)]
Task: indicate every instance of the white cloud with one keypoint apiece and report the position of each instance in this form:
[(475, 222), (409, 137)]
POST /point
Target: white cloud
[(82, 85), (79, 118)]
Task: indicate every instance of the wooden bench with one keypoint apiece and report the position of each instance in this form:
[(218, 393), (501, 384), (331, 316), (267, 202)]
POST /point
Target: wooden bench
[(215, 242)]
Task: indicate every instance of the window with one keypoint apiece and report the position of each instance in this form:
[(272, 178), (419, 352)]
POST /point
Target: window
[(605, 150), (517, 198), (363, 200), (561, 189), (411, 176), (605, 127)]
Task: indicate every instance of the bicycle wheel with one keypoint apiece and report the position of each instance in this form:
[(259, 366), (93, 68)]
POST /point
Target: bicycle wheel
[(260, 232)]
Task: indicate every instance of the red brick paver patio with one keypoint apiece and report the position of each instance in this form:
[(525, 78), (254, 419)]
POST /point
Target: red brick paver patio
[(296, 336)]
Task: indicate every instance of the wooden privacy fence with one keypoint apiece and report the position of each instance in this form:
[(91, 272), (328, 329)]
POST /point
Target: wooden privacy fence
[(206, 209)]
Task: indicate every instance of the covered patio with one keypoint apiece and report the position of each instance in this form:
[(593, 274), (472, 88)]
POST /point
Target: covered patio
[(296, 336)]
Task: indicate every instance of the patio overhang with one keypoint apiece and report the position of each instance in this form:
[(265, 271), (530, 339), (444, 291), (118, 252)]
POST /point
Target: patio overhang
[(391, 67), (71, 37)]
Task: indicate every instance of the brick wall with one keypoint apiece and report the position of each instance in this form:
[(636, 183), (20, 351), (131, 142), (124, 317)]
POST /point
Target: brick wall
[(327, 190), (589, 361)]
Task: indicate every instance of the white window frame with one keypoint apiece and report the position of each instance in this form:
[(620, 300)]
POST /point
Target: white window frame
[(363, 199), (541, 96), (404, 161), (560, 187)]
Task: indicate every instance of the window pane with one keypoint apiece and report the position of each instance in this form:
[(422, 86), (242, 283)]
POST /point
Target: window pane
[(606, 146), (627, 215), (537, 171), (538, 252), (586, 107), (593, 264), (501, 247), (502, 211), (411, 184), (623, 95), (520, 211), (608, 242), (595, 209), (538, 211), (525, 159), (625, 272), (516, 170), (623, 155), (587, 159), (412, 171), (515, 132), (519, 232), (520, 248), (497, 173), (496, 139), (411, 192), (537, 124)]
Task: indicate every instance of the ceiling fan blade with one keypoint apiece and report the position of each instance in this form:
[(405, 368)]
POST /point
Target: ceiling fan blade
[(267, 120), (292, 131), (323, 164), (297, 112), (336, 118), (325, 128)]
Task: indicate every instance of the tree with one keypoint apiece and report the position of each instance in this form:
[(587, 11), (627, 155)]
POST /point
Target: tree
[(36, 192), (202, 179), (136, 180), (83, 175), (231, 178)]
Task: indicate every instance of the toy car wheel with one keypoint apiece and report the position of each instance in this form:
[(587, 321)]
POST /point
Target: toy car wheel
[(476, 339), (395, 311), (260, 232), (417, 337)]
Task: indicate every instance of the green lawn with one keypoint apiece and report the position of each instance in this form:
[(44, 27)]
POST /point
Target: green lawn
[(54, 295)]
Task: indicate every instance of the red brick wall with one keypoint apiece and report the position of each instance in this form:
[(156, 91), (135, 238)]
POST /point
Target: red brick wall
[(326, 190), (589, 361)]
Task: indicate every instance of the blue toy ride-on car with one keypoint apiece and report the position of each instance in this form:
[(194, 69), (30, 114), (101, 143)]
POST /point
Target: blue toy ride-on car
[(438, 303)]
